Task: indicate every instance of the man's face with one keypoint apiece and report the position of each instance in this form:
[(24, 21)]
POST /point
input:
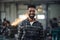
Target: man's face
[(31, 12)]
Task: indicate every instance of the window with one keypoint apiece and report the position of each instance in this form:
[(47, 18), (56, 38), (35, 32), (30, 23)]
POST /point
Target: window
[(22, 16), (40, 16)]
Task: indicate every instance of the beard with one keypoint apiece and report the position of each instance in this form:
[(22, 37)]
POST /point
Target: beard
[(32, 16)]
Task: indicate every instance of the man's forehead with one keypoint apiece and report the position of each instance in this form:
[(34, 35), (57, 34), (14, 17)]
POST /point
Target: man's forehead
[(31, 9)]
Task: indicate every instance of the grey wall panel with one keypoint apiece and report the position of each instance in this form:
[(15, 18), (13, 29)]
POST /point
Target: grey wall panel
[(54, 11), (8, 11), (13, 12)]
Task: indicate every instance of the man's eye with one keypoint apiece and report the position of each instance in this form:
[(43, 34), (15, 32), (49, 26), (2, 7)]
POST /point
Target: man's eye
[(29, 11), (32, 11)]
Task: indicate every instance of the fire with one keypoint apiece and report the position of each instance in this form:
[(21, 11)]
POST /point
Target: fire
[(19, 20)]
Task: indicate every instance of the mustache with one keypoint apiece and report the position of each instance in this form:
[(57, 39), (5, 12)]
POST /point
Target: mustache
[(31, 14)]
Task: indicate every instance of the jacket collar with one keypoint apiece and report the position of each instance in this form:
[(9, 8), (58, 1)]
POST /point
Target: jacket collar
[(29, 21)]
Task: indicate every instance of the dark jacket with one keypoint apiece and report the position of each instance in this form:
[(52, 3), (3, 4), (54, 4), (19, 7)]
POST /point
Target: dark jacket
[(30, 32)]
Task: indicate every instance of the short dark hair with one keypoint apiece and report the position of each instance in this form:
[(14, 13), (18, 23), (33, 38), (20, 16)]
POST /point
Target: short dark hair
[(31, 6)]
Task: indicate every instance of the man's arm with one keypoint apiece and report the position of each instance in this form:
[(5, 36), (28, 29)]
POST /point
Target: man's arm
[(41, 32), (20, 31)]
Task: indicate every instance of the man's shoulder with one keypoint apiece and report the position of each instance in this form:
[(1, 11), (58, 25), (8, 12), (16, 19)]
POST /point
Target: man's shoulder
[(24, 21), (38, 22)]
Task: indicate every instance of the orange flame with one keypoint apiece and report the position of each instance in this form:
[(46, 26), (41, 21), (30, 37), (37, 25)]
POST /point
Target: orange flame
[(18, 20)]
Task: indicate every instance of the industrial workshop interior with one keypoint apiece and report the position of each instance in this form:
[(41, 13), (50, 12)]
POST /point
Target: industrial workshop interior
[(29, 19)]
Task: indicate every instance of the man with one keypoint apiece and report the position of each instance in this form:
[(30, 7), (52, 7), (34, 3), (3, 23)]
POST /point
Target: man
[(29, 34)]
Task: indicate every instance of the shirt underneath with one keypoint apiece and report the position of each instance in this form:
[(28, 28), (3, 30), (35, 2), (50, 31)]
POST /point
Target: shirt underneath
[(31, 23)]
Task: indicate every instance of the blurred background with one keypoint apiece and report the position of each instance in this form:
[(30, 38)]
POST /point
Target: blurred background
[(14, 11)]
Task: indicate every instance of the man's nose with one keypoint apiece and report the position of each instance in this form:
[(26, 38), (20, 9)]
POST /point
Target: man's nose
[(32, 12)]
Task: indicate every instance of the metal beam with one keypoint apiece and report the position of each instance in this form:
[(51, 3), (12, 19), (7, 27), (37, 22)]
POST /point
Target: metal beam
[(28, 0), (35, 2)]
